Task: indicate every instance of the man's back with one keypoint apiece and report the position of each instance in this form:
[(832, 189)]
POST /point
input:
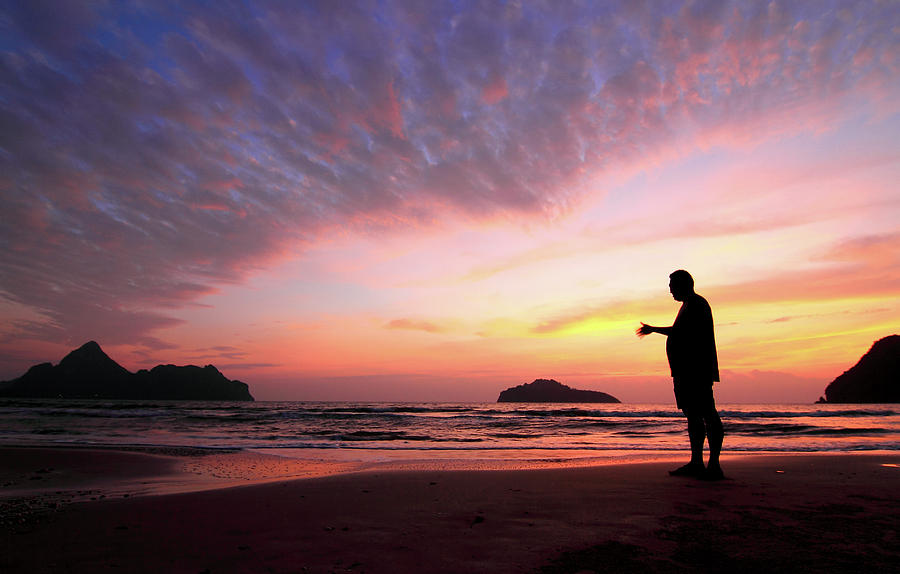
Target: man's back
[(691, 346)]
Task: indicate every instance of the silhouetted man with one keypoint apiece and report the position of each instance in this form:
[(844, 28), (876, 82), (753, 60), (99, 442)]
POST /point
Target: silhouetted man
[(691, 349)]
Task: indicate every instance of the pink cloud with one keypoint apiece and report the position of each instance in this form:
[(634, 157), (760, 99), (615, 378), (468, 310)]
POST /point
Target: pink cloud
[(196, 151), (495, 91), (871, 251)]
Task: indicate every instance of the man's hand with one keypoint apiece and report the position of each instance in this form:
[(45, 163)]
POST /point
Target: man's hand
[(644, 330)]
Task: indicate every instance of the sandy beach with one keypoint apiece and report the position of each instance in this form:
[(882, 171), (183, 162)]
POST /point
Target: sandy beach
[(113, 511)]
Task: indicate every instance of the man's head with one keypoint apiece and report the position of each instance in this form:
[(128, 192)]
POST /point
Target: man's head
[(681, 285)]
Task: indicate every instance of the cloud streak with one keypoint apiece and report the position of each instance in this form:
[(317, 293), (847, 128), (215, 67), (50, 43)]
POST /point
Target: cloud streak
[(151, 153), (414, 325), (864, 267)]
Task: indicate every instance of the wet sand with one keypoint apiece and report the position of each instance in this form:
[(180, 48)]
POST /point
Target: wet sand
[(167, 512)]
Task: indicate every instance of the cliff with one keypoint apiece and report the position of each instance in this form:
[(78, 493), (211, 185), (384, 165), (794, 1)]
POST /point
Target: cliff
[(88, 372), (874, 379), (550, 391)]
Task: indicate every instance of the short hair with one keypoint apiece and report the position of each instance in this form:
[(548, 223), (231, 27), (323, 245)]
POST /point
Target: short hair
[(682, 277)]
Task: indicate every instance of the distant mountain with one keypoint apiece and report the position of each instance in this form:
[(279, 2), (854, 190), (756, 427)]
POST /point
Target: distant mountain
[(874, 379), (551, 391), (88, 372)]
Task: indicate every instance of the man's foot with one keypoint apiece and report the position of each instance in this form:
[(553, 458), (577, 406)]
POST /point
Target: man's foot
[(690, 469), (712, 473)]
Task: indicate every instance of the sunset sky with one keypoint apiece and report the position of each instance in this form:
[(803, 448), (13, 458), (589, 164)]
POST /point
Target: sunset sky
[(438, 200)]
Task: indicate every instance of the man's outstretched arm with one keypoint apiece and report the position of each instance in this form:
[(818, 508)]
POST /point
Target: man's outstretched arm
[(645, 329)]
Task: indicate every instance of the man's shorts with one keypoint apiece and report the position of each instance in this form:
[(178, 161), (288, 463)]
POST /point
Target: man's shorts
[(693, 396)]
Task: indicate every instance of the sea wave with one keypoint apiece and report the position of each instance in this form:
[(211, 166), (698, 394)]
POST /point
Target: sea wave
[(474, 427)]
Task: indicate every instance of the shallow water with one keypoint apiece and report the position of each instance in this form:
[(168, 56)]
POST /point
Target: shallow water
[(417, 431)]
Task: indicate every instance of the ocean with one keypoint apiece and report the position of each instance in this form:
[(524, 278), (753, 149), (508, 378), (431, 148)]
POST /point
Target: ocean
[(424, 431)]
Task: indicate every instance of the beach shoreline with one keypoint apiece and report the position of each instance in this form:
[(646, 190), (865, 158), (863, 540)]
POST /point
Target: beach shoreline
[(834, 512)]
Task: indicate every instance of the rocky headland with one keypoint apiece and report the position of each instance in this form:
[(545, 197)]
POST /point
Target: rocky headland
[(89, 373), (874, 379), (551, 391)]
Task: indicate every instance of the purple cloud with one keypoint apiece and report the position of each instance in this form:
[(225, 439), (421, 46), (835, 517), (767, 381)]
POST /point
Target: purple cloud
[(151, 152)]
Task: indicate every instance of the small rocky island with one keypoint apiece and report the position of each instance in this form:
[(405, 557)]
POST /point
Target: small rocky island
[(89, 373), (551, 391), (874, 379)]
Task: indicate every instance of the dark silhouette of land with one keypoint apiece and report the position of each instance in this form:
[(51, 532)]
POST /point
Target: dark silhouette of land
[(89, 373), (874, 379), (551, 391)]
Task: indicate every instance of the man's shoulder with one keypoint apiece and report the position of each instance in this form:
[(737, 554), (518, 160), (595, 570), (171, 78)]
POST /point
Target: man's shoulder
[(698, 303)]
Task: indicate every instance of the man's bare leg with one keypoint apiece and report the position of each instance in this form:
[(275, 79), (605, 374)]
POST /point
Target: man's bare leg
[(716, 434), (696, 434)]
